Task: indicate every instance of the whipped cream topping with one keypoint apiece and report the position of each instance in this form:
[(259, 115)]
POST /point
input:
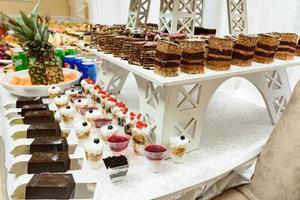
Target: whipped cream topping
[(92, 114), (71, 92), (83, 128), (109, 129), (94, 148), (67, 111), (62, 99), (145, 131), (54, 90), (178, 141), (80, 103)]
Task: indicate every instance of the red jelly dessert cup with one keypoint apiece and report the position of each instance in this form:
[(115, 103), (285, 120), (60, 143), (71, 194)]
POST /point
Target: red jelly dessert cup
[(118, 143), (156, 154), (85, 109), (99, 122)]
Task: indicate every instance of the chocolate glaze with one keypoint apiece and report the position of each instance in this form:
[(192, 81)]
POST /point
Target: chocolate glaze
[(44, 130), (242, 56), (33, 107), (168, 64), (285, 50), (48, 144), (49, 162), (50, 186), (244, 48), (115, 161), (184, 62), (22, 101), (34, 117), (220, 52), (287, 43), (167, 56), (193, 56), (263, 54), (267, 47), (209, 58)]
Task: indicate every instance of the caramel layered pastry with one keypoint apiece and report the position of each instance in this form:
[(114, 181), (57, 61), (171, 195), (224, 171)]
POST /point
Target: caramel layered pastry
[(109, 43), (298, 48), (244, 50), (266, 48), (192, 60), (167, 59), (148, 55), (219, 53), (101, 40), (287, 46), (136, 53), (126, 50), (118, 45)]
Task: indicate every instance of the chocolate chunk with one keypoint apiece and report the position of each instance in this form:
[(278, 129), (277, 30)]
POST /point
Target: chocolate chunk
[(263, 54), (204, 31), (22, 101), (44, 130), (49, 162), (48, 144), (220, 52), (115, 161), (35, 117), (184, 62), (33, 107), (167, 56), (50, 186)]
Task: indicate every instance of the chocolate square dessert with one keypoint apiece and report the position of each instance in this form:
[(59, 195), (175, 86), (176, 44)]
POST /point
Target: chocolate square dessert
[(244, 50), (44, 130), (126, 51), (193, 53), (22, 101), (266, 48), (298, 48), (109, 44), (35, 117), (117, 166), (204, 31), (148, 55), (48, 144), (167, 59), (287, 46), (136, 53), (49, 162), (33, 107), (219, 53), (118, 45), (50, 186)]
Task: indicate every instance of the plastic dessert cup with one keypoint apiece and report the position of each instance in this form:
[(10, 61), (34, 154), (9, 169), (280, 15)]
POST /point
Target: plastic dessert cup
[(99, 122), (93, 153), (83, 110), (118, 143), (155, 154)]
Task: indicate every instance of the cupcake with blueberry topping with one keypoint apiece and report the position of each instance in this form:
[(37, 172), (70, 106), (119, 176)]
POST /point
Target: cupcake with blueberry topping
[(67, 114), (92, 115), (61, 101), (81, 104), (54, 91), (93, 153), (108, 130), (140, 136), (72, 93), (178, 147), (83, 132)]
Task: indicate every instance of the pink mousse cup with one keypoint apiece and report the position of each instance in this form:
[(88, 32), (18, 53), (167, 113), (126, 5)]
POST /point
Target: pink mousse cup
[(118, 143), (99, 122), (156, 154)]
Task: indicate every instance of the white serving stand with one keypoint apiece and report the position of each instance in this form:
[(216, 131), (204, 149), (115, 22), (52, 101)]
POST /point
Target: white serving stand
[(177, 105)]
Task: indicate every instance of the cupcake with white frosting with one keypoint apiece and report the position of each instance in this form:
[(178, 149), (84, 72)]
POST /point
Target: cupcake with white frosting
[(83, 132), (121, 115), (86, 84), (93, 153), (54, 91), (140, 136), (92, 115), (104, 99), (130, 121), (178, 146), (93, 91), (61, 101), (108, 130), (67, 114), (72, 93), (110, 103), (81, 104), (118, 107)]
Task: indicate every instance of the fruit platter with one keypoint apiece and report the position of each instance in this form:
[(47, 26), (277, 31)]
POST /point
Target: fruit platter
[(18, 83)]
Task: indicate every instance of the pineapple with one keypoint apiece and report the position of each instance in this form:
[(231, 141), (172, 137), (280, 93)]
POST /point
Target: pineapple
[(33, 34)]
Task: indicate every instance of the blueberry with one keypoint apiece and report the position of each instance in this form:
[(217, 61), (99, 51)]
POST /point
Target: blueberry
[(90, 111), (182, 137), (84, 124), (79, 100), (68, 107), (110, 127), (80, 92), (53, 87), (72, 90), (59, 96), (96, 141)]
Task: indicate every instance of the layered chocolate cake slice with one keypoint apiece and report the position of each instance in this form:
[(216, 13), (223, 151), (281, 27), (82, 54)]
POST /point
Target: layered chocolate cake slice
[(50, 186), (101, 40), (48, 144), (109, 43), (136, 53), (266, 48), (219, 53), (118, 45), (287, 46), (36, 117), (49, 162), (193, 53), (148, 55), (33, 107), (22, 101), (117, 167), (44, 130), (298, 48), (126, 51), (244, 50), (167, 59)]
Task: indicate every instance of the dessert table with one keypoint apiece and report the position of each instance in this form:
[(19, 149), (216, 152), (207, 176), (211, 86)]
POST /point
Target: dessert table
[(222, 153), (177, 105)]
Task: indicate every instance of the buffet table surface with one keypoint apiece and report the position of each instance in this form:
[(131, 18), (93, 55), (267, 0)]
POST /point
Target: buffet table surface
[(227, 143)]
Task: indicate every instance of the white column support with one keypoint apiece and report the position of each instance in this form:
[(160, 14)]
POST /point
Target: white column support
[(177, 15), (237, 16), (138, 13), (199, 12), (112, 77)]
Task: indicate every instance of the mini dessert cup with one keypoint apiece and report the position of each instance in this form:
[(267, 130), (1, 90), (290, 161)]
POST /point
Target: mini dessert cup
[(178, 148), (86, 84), (93, 91), (118, 143), (99, 122), (61, 101), (83, 132), (81, 105), (93, 153), (67, 114), (54, 91), (140, 137), (72, 93), (92, 114), (65, 130), (108, 130), (129, 123), (155, 154), (117, 167)]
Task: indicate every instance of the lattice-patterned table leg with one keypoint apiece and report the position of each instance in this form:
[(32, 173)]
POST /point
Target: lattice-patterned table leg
[(275, 89), (138, 13), (199, 12), (112, 77), (237, 16)]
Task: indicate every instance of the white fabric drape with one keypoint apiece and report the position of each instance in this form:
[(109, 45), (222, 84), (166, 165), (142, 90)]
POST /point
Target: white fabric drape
[(263, 16)]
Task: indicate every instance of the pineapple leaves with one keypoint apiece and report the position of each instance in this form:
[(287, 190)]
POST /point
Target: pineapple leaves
[(26, 20), (35, 9)]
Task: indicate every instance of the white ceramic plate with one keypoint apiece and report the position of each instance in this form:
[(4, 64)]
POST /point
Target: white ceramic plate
[(35, 90)]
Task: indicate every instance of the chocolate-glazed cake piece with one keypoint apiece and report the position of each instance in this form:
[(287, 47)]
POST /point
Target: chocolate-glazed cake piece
[(50, 186), (136, 53), (219, 53), (244, 50), (118, 45), (22, 101), (126, 51), (266, 48), (148, 55), (167, 59), (33, 107), (49, 162), (205, 31), (193, 53), (109, 44), (48, 144), (117, 167), (298, 48), (36, 117), (287, 46), (44, 130)]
